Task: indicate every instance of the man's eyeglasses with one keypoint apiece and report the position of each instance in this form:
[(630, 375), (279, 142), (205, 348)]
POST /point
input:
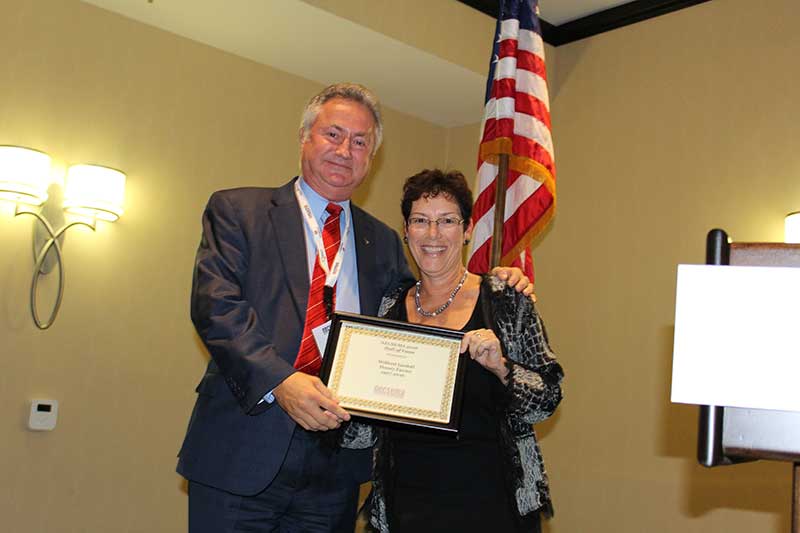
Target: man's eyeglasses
[(443, 223)]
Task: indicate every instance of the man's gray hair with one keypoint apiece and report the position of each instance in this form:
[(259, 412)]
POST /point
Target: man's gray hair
[(346, 91)]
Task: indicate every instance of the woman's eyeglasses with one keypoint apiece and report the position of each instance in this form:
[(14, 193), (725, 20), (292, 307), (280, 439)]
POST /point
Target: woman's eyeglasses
[(443, 223)]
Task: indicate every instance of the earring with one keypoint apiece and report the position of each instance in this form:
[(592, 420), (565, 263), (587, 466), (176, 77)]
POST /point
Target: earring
[(405, 239), (466, 242)]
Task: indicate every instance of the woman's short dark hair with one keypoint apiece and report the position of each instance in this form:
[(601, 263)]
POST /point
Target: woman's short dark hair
[(432, 183)]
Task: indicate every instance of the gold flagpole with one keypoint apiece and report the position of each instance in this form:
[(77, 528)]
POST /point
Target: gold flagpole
[(499, 211)]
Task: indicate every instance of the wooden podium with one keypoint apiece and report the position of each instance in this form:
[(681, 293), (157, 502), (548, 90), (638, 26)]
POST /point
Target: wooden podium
[(730, 435)]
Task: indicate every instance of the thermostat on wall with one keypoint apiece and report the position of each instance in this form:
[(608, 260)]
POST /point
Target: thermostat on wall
[(43, 415)]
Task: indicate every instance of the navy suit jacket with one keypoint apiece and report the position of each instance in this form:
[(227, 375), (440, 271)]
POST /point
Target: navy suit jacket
[(249, 296)]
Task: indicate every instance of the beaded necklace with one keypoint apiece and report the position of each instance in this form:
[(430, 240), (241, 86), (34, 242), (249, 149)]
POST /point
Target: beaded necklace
[(439, 310)]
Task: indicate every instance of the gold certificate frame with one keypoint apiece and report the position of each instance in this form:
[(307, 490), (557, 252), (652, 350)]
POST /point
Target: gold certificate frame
[(393, 371)]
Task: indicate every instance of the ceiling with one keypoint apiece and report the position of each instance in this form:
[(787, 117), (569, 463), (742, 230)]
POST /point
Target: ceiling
[(452, 95), (560, 11), (565, 21)]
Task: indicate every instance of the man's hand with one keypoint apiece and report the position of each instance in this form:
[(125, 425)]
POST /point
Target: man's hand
[(310, 403), (514, 277)]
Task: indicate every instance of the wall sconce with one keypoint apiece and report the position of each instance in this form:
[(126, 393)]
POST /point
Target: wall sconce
[(24, 175), (91, 191), (791, 228)]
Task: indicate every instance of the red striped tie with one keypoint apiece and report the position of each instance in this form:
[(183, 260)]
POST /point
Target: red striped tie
[(308, 358)]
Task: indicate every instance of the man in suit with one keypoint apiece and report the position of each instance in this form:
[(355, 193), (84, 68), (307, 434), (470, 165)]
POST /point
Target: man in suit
[(250, 467)]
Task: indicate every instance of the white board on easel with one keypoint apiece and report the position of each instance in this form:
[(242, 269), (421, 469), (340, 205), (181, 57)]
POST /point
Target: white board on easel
[(737, 337)]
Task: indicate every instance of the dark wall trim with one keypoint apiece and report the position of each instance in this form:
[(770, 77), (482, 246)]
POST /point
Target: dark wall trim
[(601, 22)]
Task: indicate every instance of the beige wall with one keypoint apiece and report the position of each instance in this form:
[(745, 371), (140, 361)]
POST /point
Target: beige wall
[(182, 120), (450, 30), (663, 130)]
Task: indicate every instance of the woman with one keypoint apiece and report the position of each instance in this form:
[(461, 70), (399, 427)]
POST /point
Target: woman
[(492, 477)]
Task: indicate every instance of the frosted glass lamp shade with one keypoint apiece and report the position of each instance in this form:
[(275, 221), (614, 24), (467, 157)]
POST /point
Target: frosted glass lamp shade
[(791, 229), (24, 175), (94, 191)]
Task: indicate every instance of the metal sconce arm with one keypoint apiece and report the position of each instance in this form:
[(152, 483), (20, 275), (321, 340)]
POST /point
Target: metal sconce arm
[(52, 242)]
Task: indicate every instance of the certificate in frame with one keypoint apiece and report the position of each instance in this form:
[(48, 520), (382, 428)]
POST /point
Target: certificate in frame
[(409, 374)]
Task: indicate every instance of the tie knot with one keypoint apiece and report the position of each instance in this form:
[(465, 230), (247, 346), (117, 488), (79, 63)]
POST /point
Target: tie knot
[(333, 209)]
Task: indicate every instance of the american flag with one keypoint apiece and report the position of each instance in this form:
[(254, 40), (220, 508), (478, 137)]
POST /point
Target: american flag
[(516, 122)]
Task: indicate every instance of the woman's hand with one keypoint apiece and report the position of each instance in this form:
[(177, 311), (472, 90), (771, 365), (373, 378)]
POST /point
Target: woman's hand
[(516, 279), (484, 348)]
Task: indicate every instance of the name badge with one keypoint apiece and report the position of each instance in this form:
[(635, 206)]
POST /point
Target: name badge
[(321, 336)]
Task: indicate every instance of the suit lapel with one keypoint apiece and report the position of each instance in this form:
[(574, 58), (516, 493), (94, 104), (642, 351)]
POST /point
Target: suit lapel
[(288, 223), (286, 219), (364, 233)]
